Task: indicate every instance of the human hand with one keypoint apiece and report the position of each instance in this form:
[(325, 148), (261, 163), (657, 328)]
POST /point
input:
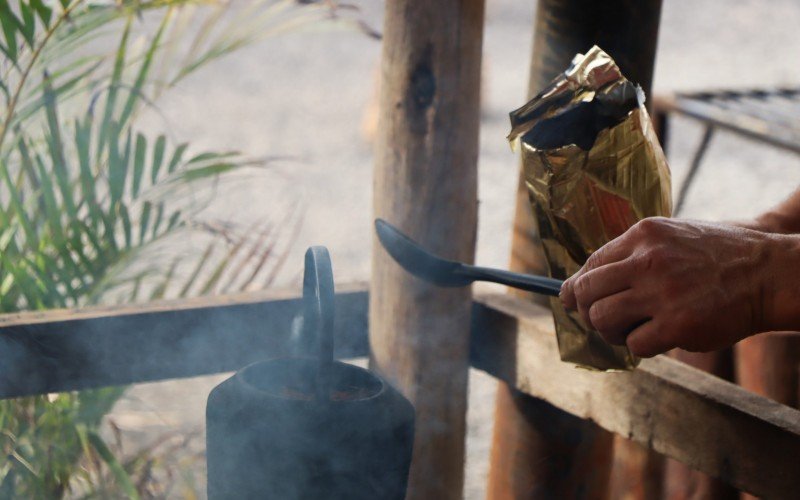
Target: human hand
[(669, 283)]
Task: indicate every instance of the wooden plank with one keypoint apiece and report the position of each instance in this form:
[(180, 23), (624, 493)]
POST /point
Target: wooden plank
[(703, 421), (60, 350), (667, 406), (425, 182)]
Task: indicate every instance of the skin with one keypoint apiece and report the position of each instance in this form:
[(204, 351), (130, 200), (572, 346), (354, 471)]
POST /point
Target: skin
[(698, 286)]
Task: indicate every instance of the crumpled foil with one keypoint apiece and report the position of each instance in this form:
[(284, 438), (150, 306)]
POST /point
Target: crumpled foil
[(593, 167)]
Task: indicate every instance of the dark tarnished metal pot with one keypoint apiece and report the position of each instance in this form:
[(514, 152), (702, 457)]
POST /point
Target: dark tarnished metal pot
[(301, 428), (268, 437)]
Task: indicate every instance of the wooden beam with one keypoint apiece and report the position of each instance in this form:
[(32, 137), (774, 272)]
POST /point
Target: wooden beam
[(61, 350), (425, 182), (705, 422), (665, 405)]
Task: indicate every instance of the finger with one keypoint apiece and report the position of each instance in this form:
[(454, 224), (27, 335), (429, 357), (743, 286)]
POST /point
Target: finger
[(615, 316), (614, 251), (648, 340), (599, 283)]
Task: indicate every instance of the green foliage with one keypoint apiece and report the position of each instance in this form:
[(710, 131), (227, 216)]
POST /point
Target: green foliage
[(86, 198)]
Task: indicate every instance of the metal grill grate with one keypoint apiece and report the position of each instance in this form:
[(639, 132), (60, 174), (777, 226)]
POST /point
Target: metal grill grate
[(768, 116), (771, 116)]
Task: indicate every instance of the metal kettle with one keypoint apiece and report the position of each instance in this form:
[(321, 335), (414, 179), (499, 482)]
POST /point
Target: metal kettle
[(308, 428)]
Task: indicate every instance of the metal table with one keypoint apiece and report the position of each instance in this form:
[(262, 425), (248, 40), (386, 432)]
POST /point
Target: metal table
[(768, 116)]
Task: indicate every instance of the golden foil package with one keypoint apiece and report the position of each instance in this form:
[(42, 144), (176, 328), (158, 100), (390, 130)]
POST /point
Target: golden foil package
[(593, 167)]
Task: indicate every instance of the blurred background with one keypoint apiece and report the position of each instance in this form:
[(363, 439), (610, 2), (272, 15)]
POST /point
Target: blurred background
[(307, 101), (311, 97)]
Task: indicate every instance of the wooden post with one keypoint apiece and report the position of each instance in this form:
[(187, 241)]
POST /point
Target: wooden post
[(680, 481), (769, 365), (426, 183), (522, 453)]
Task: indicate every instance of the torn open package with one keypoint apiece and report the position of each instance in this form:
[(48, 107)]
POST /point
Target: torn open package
[(593, 167)]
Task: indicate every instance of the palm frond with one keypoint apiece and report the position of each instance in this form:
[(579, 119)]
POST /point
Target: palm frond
[(90, 204)]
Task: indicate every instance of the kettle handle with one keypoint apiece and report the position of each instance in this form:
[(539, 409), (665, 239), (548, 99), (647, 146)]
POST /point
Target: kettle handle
[(318, 314)]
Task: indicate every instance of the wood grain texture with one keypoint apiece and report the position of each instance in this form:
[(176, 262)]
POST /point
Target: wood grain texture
[(681, 482), (61, 350), (711, 425), (425, 183), (665, 405)]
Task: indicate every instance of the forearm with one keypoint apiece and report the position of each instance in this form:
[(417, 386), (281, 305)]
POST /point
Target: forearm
[(783, 219), (779, 286)]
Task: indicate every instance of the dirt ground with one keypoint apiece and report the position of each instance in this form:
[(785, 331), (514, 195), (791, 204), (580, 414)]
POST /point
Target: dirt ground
[(306, 96)]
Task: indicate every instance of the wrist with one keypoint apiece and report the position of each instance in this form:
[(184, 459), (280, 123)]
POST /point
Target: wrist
[(778, 285), (768, 222)]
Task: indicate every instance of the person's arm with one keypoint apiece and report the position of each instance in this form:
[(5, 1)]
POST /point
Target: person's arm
[(670, 283), (783, 219)]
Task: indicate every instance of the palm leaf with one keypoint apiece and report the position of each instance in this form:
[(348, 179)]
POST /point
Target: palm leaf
[(113, 464), (93, 202)]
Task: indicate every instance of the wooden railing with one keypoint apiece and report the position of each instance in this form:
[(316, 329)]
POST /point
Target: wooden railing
[(698, 419)]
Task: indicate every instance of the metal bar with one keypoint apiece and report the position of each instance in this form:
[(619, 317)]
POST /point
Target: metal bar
[(694, 167), (751, 128), (754, 104)]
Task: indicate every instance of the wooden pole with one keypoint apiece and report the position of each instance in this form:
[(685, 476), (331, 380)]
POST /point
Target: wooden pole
[(680, 481), (522, 453), (425, 182), (769, 365)]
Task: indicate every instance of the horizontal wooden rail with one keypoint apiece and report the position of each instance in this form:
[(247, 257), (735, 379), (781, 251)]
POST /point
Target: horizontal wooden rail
[(61, 350), (700, 420)]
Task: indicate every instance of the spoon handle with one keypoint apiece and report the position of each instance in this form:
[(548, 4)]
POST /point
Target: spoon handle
[(529, 282)]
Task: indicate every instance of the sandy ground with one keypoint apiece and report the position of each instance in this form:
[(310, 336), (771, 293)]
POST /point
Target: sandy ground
[(305, 96)]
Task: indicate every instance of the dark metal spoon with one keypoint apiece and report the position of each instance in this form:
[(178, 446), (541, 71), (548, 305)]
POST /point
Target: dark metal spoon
[(447, 273)]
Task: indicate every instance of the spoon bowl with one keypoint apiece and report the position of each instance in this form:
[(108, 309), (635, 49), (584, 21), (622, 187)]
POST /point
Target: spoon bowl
[(448, 273)]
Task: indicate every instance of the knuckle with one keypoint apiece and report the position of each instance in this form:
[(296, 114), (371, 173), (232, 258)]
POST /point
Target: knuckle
[(582, 288), (582, 284), (595, 259), (634, 345), (599, 316), (650, 227), (654, 257), (640, 347)]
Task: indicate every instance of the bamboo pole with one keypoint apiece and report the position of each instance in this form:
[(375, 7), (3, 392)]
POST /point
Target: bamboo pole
[(425, 182), (526, 461)]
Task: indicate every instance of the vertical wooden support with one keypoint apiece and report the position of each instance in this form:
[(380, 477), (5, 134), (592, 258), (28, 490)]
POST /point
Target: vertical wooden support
[(522, 455), (769, 365), (426, 183), (681, 482)]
